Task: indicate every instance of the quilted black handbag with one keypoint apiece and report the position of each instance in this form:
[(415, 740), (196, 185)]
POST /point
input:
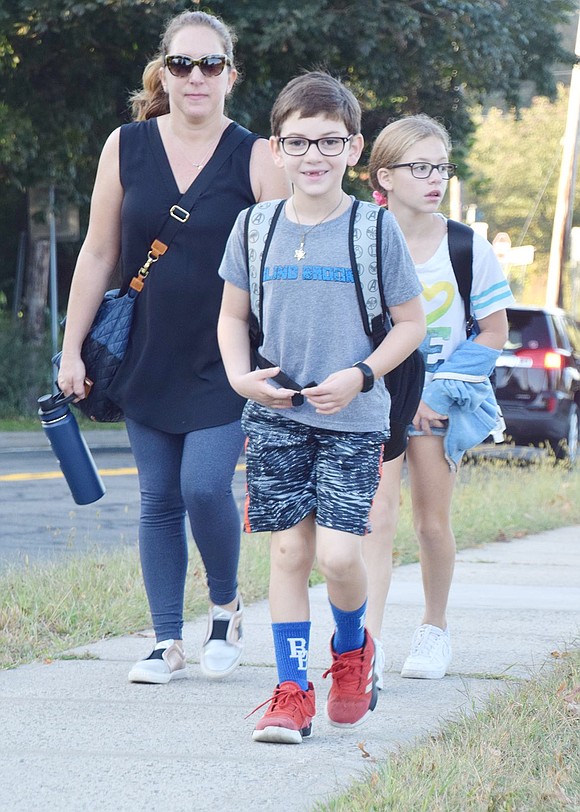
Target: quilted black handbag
[(105, 345), (102, 352)]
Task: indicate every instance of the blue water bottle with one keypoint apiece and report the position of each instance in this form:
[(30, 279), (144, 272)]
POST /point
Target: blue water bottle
[(76, 461)]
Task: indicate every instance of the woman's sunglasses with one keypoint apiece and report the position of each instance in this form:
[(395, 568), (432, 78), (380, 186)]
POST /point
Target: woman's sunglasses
[(210, 65)]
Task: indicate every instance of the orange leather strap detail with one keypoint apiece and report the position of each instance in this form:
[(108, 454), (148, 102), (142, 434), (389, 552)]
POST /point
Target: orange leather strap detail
[(137, 283), (158, 248)]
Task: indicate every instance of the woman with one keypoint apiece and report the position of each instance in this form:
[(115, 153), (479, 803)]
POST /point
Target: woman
[(182, 417), (409, 169)]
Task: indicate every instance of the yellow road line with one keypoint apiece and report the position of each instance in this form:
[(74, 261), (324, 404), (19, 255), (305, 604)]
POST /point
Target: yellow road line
[(26, 477)]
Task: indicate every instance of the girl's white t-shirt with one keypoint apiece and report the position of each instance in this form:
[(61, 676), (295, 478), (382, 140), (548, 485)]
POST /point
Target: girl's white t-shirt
[(443, 305)]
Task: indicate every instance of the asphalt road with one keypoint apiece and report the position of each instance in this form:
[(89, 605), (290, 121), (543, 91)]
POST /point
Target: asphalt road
[(39, 519)]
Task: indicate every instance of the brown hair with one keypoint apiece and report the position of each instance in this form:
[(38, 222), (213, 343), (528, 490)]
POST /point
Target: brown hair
[(396, 138), (312, 94), (151, 100)]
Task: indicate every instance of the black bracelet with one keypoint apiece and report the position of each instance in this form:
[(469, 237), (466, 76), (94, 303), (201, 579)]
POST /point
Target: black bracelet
[(368, 376)]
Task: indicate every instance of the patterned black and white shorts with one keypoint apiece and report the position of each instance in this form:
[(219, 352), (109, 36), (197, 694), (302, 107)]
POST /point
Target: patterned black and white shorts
[(293, 470)]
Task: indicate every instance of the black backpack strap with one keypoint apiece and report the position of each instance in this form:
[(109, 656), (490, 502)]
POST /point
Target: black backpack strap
[(257, 291), (378, 322), (371, 304), (264, 227), (284, 380), (255, 330), (267, 244), (460, 242)]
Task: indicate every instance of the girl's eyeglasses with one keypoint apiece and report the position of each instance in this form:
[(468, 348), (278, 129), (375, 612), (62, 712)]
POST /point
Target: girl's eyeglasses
[(210, 65), (332, 145), (424, 170)]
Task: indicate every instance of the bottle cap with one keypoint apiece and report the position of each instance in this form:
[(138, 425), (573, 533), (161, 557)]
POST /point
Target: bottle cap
[(50, 403)]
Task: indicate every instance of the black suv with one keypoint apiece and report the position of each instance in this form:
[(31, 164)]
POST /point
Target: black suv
[(538, 379)]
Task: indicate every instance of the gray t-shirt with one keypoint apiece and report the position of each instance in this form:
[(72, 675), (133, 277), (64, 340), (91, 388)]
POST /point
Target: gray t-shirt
[(312, 324)]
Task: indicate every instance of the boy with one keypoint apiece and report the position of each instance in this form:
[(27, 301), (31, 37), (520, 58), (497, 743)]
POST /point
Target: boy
[(313, 468)]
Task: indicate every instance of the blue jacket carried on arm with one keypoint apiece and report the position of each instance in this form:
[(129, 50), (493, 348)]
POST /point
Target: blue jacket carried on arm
[(461, 389)]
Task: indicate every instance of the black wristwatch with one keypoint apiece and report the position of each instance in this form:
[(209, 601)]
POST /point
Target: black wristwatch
[(368, 376)]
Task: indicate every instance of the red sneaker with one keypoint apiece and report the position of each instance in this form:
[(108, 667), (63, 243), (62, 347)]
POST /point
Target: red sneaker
[(353, 693), (288, 720)]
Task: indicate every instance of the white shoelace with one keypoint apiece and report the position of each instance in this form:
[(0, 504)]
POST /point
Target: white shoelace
[(427, 640)]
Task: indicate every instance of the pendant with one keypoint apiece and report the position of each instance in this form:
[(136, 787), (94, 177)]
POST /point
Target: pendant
[(300, 252)]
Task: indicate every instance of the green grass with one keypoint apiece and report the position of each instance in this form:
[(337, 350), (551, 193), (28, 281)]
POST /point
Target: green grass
[(497, 501), (520, 753), (20, 424), (46, 609)]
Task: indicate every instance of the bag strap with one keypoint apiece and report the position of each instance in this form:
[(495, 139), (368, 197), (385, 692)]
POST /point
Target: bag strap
[(180, 212), (365, 245), (259, 227), (460, 243)]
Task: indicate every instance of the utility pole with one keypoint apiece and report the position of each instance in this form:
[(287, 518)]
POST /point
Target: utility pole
[(454, 190), (53, 278), (565, 196)]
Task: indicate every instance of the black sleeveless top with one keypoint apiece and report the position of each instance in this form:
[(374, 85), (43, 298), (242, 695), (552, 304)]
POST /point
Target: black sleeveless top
[(172, 377)]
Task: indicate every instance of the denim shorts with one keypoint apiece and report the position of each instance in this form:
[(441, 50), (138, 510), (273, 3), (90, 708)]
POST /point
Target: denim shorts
[(436, 431), (293, 470)]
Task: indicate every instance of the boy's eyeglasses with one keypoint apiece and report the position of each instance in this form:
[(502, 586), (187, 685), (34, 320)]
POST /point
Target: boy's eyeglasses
[(329, 146), (424, 170), (210, 65)]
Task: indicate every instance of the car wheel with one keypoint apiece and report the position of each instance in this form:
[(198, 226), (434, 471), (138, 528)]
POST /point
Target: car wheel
[(568, 446)]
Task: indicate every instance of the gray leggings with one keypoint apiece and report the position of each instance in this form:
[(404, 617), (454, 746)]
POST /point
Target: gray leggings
[(191, 473)]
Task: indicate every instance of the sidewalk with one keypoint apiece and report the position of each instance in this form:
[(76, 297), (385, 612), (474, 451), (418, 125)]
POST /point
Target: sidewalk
[(77, 736)]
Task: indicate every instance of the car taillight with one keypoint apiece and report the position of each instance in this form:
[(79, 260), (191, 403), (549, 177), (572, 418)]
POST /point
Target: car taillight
[(542, 359)]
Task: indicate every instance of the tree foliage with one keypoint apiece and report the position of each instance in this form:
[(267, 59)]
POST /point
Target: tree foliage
[(65, 70), (402, 56), (518, 195), (66, 66)]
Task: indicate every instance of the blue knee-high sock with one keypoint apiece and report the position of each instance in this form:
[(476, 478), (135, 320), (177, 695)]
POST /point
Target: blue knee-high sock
[(291, 644), (350, 628)]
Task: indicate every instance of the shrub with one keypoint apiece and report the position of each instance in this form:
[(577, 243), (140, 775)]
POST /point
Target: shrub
[(25, 369)]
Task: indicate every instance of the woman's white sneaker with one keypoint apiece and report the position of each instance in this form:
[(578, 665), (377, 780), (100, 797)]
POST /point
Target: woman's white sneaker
[(166, 662), (224, 642), (430, 653)]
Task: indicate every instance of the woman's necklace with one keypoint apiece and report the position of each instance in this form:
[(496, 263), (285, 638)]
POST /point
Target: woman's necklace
[(300, 253), (181, 145)]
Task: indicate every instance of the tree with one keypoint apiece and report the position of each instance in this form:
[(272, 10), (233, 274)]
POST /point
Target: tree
[(65, 70), (66, 66), (513, 168), (401, 56)]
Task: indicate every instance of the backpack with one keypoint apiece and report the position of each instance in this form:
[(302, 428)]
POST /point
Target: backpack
[(460, 243), (405, 382)]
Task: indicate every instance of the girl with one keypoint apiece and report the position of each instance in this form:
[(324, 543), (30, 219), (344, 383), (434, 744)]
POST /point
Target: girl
[(409, 170)]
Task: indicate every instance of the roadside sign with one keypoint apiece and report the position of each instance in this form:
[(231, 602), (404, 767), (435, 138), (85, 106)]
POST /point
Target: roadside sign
[(501, 245), (520, 255)]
